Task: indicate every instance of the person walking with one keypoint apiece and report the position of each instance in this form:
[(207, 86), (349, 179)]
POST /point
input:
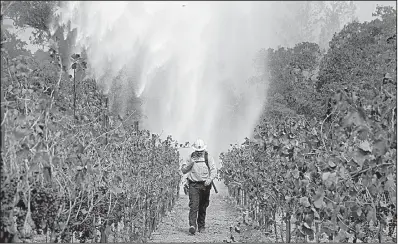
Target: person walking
[(201, 171)]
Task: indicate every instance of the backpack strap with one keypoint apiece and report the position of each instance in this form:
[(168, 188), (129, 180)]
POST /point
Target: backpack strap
[(207, 160)]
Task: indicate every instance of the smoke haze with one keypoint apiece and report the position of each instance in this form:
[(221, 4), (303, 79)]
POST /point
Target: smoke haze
[(190, 63)]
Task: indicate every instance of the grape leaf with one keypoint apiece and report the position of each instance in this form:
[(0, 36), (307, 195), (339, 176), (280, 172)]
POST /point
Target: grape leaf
[(371, 215), (354, 118), (363, 133), (359, 157), (19, 134), (332, 164), (365, 146), (325, 176), (318, 198), (295, 174), (359, 212), (304, 201), (116, 190), (380, 148)]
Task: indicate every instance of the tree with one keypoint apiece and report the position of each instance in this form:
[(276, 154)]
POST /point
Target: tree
[(334, 14), (291, 76), (360, 55), (299, 23), (35, 14), (306, 21), (39, 16), (12, 44)]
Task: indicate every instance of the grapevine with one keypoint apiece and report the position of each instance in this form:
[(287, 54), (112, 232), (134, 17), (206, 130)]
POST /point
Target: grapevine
[(326, 176), (335, 179), (59, 178)]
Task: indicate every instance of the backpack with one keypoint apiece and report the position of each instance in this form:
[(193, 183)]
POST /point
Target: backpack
[(206, 159), (186, 187)]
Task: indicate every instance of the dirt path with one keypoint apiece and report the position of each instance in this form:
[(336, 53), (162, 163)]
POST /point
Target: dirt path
[(221, 214)]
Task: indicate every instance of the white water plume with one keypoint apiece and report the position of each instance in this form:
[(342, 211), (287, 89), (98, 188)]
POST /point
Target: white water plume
[(189, 62)]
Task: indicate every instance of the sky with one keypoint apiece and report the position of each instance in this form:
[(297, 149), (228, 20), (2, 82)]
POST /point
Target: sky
[(366, 8)]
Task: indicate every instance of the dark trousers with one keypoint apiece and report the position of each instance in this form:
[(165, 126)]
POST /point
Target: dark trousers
[(199, 195)]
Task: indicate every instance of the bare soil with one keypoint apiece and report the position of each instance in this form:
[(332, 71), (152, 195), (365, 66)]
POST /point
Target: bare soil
[(222, 214)]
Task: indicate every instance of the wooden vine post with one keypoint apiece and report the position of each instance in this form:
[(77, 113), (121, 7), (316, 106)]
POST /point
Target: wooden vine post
[(288, 226), (3, 63), (136, 126), (3, 131), (74, 91), (106, 119), (75, 62)]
